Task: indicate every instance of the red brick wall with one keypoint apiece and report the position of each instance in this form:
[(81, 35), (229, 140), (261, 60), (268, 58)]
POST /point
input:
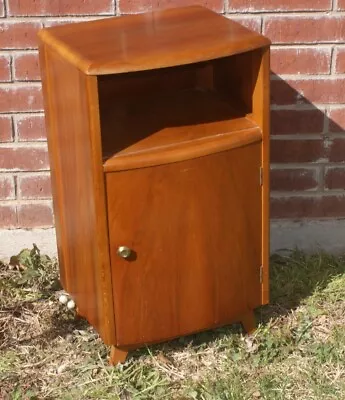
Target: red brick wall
[(308, 100)]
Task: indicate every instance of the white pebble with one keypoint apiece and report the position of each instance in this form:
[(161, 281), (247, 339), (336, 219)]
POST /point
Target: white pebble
[(71, 305), (61, 368), (63, 299)]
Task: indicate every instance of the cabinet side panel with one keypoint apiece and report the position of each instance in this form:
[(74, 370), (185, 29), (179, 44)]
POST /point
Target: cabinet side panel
[(261, 114), (55, 170), (246, 77), (71, 107)]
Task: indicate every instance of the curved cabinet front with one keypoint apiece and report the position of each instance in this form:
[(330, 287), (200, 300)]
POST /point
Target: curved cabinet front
[(192, 235)]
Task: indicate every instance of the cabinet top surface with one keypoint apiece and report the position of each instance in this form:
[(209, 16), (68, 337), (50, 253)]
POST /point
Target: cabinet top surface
[(152, 40)]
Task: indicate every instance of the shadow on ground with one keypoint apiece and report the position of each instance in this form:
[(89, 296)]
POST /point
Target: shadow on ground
[(294, 276)]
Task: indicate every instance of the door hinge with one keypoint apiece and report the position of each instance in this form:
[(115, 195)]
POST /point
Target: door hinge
[(261, 274), (261, 176)]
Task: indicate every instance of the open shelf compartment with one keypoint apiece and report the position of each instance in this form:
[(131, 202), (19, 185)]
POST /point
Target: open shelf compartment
[(173, 114)]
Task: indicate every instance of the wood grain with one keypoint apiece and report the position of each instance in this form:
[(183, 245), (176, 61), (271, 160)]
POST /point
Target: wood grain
[(195, 233), (148, 41), (78, 189)]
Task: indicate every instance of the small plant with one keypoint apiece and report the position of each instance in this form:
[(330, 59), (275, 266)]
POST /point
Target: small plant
[(28, 276), (32, 273), (34, 268)]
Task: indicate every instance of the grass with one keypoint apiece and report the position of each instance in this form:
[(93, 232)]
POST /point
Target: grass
[(297, 352)]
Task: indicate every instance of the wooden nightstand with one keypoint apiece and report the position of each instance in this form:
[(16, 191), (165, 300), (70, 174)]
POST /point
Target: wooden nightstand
[(158, 135)]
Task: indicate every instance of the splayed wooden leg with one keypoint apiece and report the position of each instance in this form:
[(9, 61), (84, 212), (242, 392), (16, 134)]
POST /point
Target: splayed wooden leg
[(248, 321), (117, 355)]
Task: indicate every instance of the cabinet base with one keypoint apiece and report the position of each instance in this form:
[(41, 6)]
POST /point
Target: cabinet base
[(248, 322), (117, 355)]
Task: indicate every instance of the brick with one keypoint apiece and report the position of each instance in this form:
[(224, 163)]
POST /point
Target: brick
[(299, 91), (337, 120), (286, 122), (30, 128), (7, 188), (335, 178), (59, 8), (34, 187), (5, 129), (8, 217), (340, 61), (301, 29), (23, 158), (20, 98), (293, 179), (35, 216), (283, 93), (253, 23), (300, 61), (296, 151), (19, 35), (26, 67), (337, 150), (308, 207), (138, 6), (5, 69), (341, 5), (269, 5)]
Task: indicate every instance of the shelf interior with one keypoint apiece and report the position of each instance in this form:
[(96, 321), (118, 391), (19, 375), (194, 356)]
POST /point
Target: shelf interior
[(166, 111)]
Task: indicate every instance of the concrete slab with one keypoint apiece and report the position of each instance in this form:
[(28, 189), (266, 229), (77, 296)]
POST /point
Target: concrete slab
[(327, 235), (14, 240), (311, 236)]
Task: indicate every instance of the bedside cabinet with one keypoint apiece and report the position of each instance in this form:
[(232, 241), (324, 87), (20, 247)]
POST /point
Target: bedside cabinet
[(158, 136)]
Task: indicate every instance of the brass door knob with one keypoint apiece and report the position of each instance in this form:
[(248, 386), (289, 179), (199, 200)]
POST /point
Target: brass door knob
[(124, 252)]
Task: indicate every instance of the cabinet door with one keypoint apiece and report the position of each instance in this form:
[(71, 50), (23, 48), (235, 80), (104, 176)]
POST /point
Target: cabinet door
[(194, 228)]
